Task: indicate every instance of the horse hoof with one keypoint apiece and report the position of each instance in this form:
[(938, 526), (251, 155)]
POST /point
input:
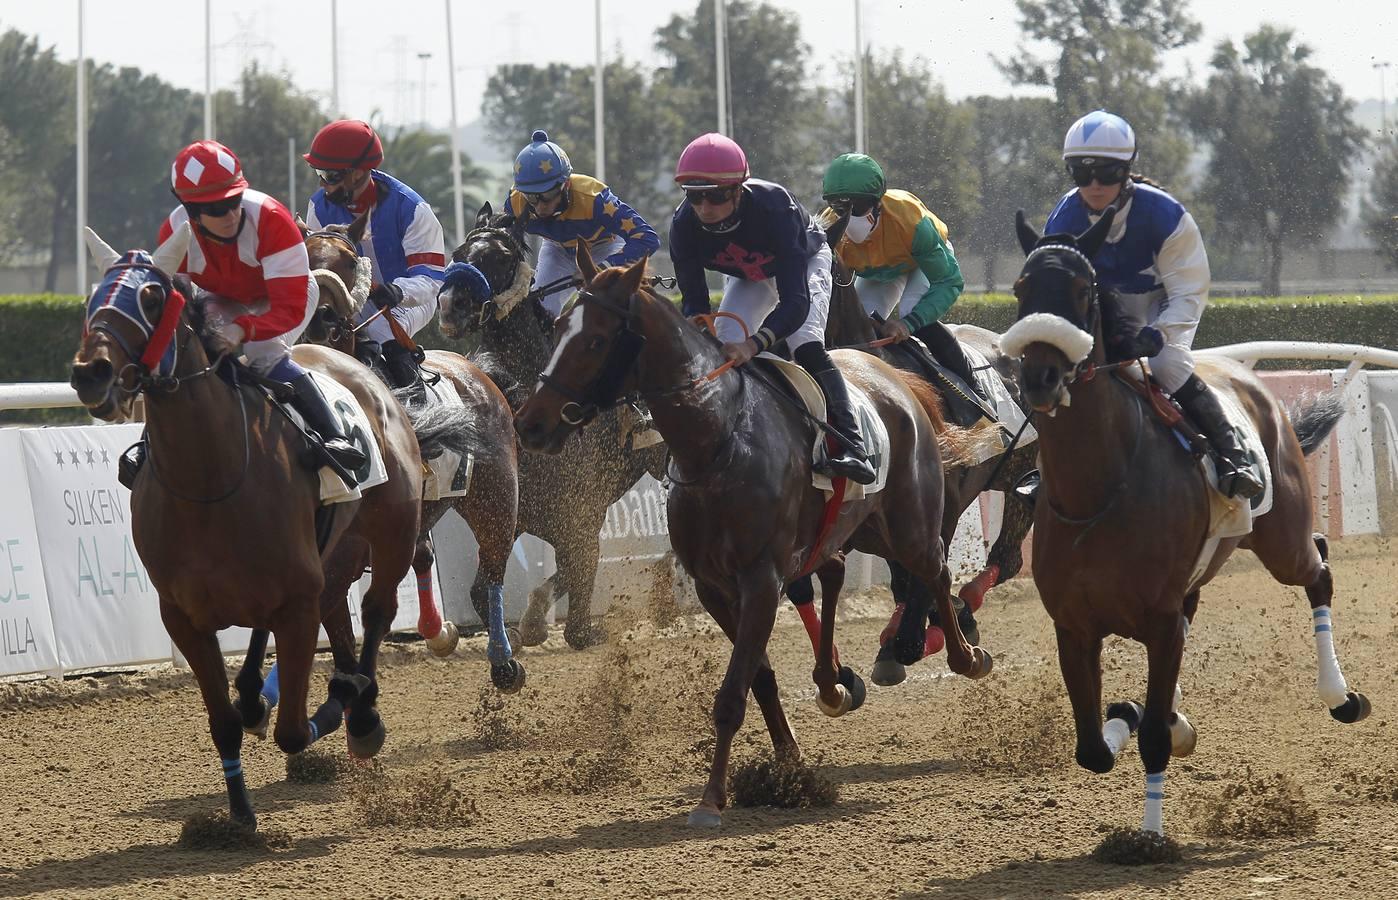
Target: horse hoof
[(934, 642), (704, 817), (1183, 737), (888, 672), (444, 644), (1355, 708), (981, 663), (366, 746), (844, 701), (531, 633), (258, 730), (581, 638), (508, 678), (516, 637), (855, 685)]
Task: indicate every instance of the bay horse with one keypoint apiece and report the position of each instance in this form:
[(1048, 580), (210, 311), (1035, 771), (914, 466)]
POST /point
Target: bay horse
[(563, 499), (224, 511), (489, 507), (902, 641), (744, 516), (1123, 512)]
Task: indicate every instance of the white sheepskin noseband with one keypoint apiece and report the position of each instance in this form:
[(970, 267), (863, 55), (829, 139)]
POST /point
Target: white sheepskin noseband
[(353, 298), (509, 298), (1046, 328)]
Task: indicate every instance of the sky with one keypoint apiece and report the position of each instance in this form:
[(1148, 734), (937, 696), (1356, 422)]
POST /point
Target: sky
[(384, 66)]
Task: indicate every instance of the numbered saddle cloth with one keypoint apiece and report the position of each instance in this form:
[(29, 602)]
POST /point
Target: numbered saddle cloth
[(354, 424), (449, 473), (1231, 517), (1011, 417)]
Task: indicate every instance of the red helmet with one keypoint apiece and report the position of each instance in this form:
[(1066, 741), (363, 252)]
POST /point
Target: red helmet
[(346, 144), (712, 159), (206, 172)]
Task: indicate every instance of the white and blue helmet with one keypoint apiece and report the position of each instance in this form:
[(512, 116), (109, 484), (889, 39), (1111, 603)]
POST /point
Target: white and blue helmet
[(1100, 135)]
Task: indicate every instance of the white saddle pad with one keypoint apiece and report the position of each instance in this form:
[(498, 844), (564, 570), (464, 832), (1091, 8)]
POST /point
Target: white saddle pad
[(1012, 418), (447, 475), (870, 424), (355, 426), (1231, 517)]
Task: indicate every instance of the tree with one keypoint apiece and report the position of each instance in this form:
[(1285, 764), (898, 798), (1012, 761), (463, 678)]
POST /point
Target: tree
[(36, 114), (1108, 56), (1381, 206), (269, 123), (1284, 139)]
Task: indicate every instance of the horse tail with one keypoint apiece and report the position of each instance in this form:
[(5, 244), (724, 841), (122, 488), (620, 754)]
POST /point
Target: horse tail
[(958, 446), (494, 367), (1314, 417), (440, 427)]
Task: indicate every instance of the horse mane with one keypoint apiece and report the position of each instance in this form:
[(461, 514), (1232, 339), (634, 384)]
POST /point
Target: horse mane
[(959, 446)]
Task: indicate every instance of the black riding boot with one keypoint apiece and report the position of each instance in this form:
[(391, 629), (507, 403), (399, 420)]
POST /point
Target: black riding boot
[(946, 350), (1235, 478), (370, 353), (402, 370), (311, 403), (850, 461)]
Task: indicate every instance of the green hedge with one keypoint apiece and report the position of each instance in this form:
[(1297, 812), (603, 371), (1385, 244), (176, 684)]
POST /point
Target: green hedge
[(39, 333)]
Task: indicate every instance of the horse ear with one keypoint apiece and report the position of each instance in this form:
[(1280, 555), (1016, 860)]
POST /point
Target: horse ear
[(483, 214), (585, 264), (168, 255), (1091, 240), (103, 256), (634, 276), (356, 229), (1028, 237), (305, 229)]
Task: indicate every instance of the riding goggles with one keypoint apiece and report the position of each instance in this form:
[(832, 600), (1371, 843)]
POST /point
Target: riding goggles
[(331, 176), (714, 196), (547, 196), (215, 210), (854, 206), (1105, 174)]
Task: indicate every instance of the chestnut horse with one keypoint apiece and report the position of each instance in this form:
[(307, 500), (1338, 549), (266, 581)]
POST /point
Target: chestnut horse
[(902, 642), (224, 511), (744, 517), (1123, 512), (488, 506), (562, 499)]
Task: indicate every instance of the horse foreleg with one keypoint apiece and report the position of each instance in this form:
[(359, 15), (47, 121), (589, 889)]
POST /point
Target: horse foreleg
[(365, 732), (764, 683), (757, 611), (1080, 659), (841, 690), (296, 644), (1164, 648), (493, 524), (254, 704), (441, 637), (962, 657), (577, 565), (205, 658), (533, 625)]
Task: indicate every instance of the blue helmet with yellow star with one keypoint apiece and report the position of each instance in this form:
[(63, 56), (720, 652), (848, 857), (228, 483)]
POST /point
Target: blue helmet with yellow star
[(541, 166)]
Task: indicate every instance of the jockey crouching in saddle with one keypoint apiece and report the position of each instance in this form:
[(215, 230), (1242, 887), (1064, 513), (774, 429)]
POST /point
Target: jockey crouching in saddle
[(564, 208), (1152, 276), (402, 238), (777, 264), (247, 254), (906, 273)]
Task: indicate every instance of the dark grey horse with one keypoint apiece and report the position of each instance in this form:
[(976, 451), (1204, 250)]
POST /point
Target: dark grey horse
[(563, 499)]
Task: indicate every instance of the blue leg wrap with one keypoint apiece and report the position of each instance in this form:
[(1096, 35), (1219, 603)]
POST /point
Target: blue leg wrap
[(286, 370), (271, 688), (315, 732), (232, 768), (499, 648)]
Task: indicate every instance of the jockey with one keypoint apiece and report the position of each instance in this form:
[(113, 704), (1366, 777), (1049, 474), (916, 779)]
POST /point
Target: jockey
[(247, 253), (402, 238), (902, 261), (564, 207), (1153, 274), (777, 264)]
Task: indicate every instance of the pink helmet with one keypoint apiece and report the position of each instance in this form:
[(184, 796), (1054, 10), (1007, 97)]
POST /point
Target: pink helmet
[(712, 160)]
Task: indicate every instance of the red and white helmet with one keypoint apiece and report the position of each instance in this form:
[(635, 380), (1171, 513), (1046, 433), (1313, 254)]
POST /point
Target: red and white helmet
[(712, 160), (206, 172)]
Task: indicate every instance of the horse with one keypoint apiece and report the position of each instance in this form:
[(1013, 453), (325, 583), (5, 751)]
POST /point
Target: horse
[(1123, 513), (232, 535), (563, 499), (903, 644), (489, 506), (744, 516)]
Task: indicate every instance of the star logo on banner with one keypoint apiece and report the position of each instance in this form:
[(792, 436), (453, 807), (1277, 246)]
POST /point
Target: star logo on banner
[(610, 208), (73, 455), (58, 457), (628, 225), (106, 460), (91, 458)]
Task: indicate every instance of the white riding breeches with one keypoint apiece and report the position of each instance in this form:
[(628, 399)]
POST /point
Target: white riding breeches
[(753, 302), (262, 356), (557, 261), (883, 297), (412, 318)]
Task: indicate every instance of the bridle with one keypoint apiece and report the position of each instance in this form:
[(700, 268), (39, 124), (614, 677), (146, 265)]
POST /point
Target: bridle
[(603, 392)]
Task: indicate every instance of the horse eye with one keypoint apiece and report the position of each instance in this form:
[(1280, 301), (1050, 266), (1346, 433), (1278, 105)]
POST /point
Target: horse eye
[(597, 343)]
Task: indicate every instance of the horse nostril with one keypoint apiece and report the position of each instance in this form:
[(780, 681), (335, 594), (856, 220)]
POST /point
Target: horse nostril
[(97, 372)]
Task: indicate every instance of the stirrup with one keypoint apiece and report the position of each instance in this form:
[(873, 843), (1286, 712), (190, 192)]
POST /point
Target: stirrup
[(1237, 482), (856, 469), (1026, 490), (130, 462)]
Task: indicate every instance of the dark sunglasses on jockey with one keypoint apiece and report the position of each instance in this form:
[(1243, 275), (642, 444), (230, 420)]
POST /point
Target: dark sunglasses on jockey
[(331, 176), (854, 206), (215, 210), (714, 195), (1106, 173), (547, 196)]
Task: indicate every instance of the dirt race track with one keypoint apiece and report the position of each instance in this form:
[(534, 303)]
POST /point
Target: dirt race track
[(579, 786)]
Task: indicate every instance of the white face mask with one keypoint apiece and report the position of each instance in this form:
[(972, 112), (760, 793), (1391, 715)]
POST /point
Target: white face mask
[(859, 228)]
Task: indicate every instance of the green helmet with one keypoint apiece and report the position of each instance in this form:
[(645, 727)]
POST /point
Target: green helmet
[(853, 175)]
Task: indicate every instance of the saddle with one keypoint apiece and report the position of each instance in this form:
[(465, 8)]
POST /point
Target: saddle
[(965, 406)]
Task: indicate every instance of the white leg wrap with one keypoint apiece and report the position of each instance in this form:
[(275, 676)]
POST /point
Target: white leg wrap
[(1155, 804), (1330, 681), (1179, 695), (1116, 733)]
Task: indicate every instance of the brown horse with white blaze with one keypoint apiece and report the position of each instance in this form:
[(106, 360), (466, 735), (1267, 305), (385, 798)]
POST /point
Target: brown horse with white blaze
[(1123, 513), (744, 516)]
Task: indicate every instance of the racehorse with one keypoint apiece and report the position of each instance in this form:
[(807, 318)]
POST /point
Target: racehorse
[(489, 505), (563, 499), (903, 644), (1123, 513), (744, 516), (224, 511)]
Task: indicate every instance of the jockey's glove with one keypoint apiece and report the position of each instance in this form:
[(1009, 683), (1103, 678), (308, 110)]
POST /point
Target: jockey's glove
[(1149, 342), (231, 334), (387, 296)]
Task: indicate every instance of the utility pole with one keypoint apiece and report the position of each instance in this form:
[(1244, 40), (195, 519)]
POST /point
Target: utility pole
[(721, 63), (599, 136), (424, 57), (457, 199), (1383, 96), (858, 77), (80, 263)]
